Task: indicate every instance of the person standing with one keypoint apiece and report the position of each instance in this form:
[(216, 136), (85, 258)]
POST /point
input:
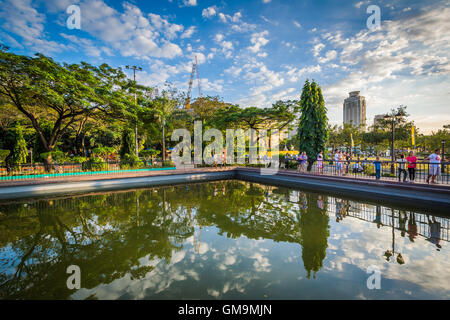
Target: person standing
[(348, 159), (304, 160), (377, 164), (320, 162), (401, 168), (412, 227), (412, 162), (299, 162), (336, 160), (435, 167), (286, 161), (342, 163), (435, 231)]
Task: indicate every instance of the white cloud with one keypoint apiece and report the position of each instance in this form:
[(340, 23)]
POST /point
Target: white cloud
[(190, 3), (329, 56), (131, 32), (227, 46), (317, 48), (266, 1), (406, 62), (294, 73), (200, 57), (22, 19), (361, 3), (297, 24), (258, 40), (209, 12), (88, 45), (188, 33), (236, 22)]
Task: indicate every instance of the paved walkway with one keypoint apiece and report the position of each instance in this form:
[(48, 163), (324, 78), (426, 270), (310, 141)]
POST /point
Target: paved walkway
[(348, 178), (64, 179)]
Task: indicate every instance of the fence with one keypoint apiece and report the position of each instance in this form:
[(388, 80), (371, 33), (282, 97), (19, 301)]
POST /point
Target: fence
[(389, 171), (55, 170), (366, 169), (384, 216)]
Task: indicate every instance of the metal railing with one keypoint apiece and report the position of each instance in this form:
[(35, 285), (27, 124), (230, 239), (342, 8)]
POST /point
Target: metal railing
[(401, 220), (366, 169), (56, 170)]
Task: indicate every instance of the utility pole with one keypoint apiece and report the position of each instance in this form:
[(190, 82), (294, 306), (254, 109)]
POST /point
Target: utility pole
[(134, 68)]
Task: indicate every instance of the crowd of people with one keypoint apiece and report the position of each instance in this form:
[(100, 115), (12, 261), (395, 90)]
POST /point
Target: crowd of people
[(343, 163)]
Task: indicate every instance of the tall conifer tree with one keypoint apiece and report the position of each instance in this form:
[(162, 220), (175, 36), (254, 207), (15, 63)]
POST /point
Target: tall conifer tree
[(312, 129)]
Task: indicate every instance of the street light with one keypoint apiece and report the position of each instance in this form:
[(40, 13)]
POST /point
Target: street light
[(134, 68), (391, 253), (392, 119)]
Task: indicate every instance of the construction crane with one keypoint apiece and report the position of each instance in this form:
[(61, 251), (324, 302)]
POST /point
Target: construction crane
[(191, 80)]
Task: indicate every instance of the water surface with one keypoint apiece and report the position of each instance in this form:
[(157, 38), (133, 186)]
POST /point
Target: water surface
[(221, 240)]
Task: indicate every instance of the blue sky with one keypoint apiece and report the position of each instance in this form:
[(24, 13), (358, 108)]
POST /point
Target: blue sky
[(256, 52)]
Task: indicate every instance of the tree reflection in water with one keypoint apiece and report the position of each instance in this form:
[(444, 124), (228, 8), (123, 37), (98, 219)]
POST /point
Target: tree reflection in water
[(108, 235)]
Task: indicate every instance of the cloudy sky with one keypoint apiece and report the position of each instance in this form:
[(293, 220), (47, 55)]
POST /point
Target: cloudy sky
[(254, 52)]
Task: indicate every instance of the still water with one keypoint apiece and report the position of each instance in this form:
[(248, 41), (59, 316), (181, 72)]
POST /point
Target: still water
[(221, 240)]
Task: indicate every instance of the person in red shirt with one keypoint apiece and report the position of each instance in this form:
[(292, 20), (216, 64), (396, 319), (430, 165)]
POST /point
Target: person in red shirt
[(412, 162)]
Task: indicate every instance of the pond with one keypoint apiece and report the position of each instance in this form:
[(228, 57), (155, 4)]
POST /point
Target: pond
[(221, 240)]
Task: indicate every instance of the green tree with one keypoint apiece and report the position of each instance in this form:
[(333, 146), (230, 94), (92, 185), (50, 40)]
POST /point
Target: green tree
[(128, 145), (20, 148), (47, 92), (312, 129)]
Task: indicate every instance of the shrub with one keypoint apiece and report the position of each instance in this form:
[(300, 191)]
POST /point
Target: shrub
[(168, 163), (103, 152), (3, 155), (78, 159), (57, 156), (369, 170), (94, 164), (130, 162)]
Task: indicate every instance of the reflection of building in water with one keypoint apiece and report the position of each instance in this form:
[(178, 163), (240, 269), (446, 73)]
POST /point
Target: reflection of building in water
[(383, 215), (197, 240), (294, 196)]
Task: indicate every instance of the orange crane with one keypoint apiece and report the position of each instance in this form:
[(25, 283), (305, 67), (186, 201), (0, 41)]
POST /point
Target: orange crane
[(194, 69)]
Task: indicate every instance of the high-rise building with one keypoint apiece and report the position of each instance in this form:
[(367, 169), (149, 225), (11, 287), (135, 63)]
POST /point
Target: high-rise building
[(355, 110), (377, 118)]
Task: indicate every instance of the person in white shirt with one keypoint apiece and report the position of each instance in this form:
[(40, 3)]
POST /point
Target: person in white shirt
[(357, 168), (435, 166), (337, 158), (402, 168)]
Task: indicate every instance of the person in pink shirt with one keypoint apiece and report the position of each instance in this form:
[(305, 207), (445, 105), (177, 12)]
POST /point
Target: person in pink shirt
[(412, 162)]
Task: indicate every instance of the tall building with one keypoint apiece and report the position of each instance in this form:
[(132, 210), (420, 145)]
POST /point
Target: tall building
[(355, 110), (377, 118)]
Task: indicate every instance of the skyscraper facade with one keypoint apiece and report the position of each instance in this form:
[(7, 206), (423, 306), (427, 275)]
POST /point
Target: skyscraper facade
[(355, 110)]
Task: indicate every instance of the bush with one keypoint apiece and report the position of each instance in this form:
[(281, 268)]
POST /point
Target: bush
[(130, 162), (57, 156), (3, 155), (103, 152), (78, 159), (168, 163), (94, 164), (369, 170)]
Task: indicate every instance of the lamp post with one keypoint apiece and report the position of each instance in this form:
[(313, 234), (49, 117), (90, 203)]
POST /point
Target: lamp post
[(134, 68), (443, 157), (391, 253), (392, 119)]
